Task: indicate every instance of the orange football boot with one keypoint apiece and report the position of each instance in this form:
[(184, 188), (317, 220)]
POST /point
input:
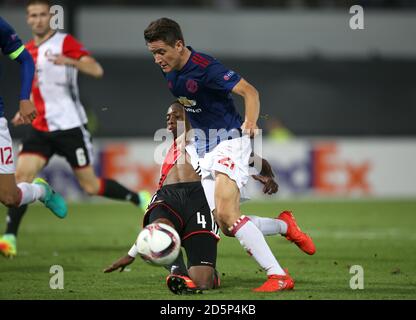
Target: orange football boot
[(294, 234), (276, 283), (181, 284)]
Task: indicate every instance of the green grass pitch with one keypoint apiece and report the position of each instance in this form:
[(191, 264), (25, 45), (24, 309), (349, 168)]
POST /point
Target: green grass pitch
[(380, 236)]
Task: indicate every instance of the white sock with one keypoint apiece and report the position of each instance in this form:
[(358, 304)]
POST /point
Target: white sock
[(253, 241), (269, 226), (30, 192)]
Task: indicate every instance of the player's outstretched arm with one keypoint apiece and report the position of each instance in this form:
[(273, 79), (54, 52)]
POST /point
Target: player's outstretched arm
[(120, 264), (85, 64), (252, 105)]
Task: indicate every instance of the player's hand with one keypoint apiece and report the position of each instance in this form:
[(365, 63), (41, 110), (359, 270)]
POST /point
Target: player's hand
[(17, 119), (61, 60), (249, 128), (270, 186), (266, 169), (27, 112), (119, 264)]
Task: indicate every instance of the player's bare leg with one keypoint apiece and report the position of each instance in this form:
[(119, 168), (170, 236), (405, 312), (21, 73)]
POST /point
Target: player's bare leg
[(109, 188), (199, 278), (203, 276), (227, 201), (227, 206), (88, 180), (188, 281), (17, 196), (10, 197), (9, 192), (23, 193), (27, 168)]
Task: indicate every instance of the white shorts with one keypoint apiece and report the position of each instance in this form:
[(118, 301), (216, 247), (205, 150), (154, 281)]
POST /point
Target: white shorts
[(6, 149), (230, 157)]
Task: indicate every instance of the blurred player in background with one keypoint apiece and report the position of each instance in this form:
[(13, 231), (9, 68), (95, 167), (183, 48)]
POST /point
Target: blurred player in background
[(204, 86), (60, 125), (12, 195)]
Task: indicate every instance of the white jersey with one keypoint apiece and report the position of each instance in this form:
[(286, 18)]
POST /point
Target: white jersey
[(55, 87), (6, 149)]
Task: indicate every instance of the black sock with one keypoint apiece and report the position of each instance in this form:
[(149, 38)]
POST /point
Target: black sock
[(13, 219), (178, 266), (112, 189)]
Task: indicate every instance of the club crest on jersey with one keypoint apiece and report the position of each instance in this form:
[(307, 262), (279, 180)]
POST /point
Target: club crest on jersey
[(192, 86), (186, 102), (228, 75)]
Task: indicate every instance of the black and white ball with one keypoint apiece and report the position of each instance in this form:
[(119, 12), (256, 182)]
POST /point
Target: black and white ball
[(158, 244)]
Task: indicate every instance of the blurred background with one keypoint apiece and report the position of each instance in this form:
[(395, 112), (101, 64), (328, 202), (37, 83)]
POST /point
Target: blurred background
[(338, 106)]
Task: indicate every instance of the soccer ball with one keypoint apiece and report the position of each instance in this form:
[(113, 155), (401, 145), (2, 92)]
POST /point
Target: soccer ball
[(158, 244)]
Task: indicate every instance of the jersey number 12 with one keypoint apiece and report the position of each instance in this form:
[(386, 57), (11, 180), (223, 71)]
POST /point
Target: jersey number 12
[(6, 156)]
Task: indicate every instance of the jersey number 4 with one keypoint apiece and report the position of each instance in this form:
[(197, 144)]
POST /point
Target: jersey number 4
[(200, 219), (6, 156)]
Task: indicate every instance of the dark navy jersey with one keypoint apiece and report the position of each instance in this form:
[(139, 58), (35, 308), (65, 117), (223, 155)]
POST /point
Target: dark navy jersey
[(203, 86), (10, 45)]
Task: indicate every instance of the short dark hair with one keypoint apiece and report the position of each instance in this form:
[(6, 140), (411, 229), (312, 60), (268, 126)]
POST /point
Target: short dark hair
[(33, 2), (176, 103), (164, 29)]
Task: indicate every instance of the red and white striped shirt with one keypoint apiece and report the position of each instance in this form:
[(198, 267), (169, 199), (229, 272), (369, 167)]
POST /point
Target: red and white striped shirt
[(55, 87), (172, 157)]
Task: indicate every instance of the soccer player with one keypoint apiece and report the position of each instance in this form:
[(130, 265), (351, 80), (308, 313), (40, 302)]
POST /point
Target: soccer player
[(204, 86), (12, 195), (60, 124), (179, 168), (180, 203)]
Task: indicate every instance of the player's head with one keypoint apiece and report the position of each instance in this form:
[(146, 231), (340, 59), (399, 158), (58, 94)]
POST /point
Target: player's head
[(174, 114), (165, 40), (38, 16)]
